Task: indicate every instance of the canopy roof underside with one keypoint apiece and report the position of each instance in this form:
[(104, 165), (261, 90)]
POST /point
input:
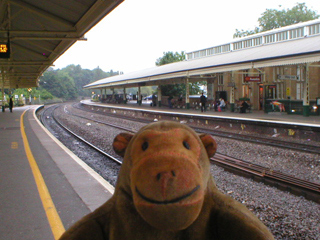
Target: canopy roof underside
[(38, 32)]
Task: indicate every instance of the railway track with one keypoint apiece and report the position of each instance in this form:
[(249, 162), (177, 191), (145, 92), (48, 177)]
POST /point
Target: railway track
[(268, 176), (241, 137), (103, 163)]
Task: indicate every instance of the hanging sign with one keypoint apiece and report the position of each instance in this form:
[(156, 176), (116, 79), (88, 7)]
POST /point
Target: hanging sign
[(288, 77), (4, 50), (231, 84), (252, 79)]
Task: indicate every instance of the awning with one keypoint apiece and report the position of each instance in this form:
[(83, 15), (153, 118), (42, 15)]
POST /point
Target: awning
[(304, 50)]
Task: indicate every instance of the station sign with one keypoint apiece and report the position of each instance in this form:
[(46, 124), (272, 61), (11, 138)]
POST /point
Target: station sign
[(4, 50), (288, 77), (252, 79)]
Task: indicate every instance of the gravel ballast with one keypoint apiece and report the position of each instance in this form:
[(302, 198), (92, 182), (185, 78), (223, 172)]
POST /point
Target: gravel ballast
[(287, 216)]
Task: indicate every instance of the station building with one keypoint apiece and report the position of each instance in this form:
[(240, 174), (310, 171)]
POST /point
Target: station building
[(278, 66)]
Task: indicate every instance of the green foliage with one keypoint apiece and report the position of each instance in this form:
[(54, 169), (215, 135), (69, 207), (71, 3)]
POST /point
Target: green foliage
[(19, 102), (172, 89), (273, 18), (68, 82), (243, 33), (180, 89), (170, 57), (42, 93), (176, 89)]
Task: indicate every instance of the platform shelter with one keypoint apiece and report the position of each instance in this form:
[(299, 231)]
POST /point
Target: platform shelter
[(33, 34), (275, 68)]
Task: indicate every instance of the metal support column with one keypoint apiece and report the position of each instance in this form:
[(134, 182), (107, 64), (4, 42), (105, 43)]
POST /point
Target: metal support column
[(3, 105), (210, 87), (187, 93), (139, 96), (159, 95), (112, 94), (306, 102), (124, 95), (232, 92)]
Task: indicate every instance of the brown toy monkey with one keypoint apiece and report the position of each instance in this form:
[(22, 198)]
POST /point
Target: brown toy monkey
[(165, 191)]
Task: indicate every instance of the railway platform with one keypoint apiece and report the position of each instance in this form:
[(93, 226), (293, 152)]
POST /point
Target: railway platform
[(44, 188), (255, 115)]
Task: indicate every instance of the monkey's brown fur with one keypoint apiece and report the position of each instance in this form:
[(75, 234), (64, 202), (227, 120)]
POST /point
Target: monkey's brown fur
[(165, 191)]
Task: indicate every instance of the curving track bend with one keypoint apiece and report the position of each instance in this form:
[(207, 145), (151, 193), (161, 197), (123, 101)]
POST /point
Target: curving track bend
[(256, 196)]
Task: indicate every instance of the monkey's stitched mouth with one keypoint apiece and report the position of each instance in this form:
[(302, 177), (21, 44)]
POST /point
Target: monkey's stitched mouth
[(175, 200)]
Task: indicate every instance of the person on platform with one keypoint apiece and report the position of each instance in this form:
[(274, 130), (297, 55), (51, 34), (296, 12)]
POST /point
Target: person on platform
[(222, 104), (203, 101), (216, 105), (10, 104), (243, 107), (154, 100), (169, 101)]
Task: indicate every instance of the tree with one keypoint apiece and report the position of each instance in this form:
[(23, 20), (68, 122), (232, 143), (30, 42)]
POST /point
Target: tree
[(44, 94), (170, 57), (273, 18), (172, 89), (67, 83)]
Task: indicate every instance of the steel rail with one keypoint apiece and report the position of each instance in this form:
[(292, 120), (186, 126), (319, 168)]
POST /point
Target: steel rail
[(247, 138), (301, 187)]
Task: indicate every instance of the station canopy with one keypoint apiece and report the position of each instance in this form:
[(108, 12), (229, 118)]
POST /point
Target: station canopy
[(33, 34), (300, 51)]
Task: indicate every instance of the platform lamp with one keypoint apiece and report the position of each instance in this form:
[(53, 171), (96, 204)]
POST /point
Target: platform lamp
[(30, 90), (5, 50), (4, 53)]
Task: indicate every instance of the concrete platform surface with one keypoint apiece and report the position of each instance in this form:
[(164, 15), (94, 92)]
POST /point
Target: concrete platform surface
[(258, 115), (73, 187)]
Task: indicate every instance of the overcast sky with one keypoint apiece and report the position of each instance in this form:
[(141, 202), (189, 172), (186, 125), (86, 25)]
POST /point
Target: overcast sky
[(137, 32)]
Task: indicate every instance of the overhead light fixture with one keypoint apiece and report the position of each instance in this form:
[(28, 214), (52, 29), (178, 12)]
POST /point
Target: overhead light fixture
[(5, 49)]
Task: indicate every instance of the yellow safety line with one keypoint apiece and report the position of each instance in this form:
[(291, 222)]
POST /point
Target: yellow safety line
[(48, 205)]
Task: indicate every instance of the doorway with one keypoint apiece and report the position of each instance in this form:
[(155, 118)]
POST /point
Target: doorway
[(261, 98)]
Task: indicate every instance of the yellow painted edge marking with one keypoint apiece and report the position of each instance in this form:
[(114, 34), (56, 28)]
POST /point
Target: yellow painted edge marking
[(48, 205)]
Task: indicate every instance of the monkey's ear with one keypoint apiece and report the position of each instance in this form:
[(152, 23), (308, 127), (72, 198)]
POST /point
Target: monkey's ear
[(121, 142), (209, 143)]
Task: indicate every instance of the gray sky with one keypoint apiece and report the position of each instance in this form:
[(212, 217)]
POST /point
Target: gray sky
[(137, 32)]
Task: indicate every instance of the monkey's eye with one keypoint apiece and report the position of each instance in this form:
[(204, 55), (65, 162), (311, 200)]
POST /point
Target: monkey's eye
[(145, 145), (186, 145)]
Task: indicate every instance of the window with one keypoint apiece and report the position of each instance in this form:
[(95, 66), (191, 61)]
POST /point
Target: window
[(196, 54), (314, 29), (269, 38), (299, 85), (189, 55), (217, 50), (296, 33), (270, 92), (298, 91), (237, 45), (226, 48), (247, 43), (282, 36), (246, 91), (220, 82), (202, 53), (257, 41), (210, 51), (280, 90), (220, 79)]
